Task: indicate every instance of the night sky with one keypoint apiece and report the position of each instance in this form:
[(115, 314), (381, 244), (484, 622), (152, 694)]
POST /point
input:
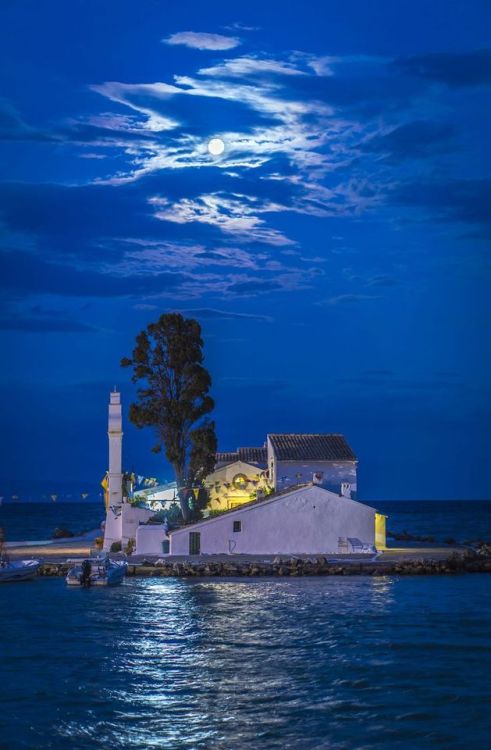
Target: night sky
[(336, 253)]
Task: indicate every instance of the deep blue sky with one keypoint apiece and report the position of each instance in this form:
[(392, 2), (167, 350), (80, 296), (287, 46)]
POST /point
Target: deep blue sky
[(336, 254)]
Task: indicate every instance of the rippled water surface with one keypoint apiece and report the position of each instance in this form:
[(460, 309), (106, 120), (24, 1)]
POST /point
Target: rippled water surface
[(283, 664)]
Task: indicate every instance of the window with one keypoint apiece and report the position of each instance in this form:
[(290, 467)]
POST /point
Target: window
[(194, 542), (240, 481), (237, 526)]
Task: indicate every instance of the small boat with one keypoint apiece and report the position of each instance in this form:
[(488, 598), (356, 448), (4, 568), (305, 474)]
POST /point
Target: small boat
[(18, 570), (97, 571)]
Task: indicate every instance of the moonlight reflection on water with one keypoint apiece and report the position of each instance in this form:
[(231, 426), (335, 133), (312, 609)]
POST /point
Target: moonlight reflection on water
[(265, 664)]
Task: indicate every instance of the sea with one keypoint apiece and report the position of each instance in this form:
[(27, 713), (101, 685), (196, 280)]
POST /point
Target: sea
[(458, 520), (345, 663)]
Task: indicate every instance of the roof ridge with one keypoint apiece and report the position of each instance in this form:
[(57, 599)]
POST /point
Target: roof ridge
[(250, 503), (306, 434), (265, 501), (302, 446)]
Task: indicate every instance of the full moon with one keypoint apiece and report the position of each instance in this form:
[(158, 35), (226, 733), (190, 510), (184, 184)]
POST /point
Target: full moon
[(216, 146)]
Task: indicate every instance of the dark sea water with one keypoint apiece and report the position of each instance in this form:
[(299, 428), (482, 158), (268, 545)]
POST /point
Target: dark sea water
[(29, 521), (307, 664), (461, 520)]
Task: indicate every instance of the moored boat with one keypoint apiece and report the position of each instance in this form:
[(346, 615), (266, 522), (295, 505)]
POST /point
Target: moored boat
[(97, 572), (18, 570)]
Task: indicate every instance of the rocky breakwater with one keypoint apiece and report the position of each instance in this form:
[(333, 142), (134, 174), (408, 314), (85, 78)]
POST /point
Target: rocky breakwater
[(476, 560), (469, 562), (54, 569), (483, 549)]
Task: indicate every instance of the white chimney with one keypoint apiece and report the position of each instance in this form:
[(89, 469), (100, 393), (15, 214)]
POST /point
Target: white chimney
[(346, 489)]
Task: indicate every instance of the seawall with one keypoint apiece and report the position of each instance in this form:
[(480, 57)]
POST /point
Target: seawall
[(282, 567)]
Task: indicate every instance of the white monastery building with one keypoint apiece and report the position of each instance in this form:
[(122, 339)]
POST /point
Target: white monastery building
[(295, 495), (324, 459), (305, 520), (291, 459)]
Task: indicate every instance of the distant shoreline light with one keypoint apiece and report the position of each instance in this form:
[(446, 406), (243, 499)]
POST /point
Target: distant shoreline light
[(216, 146)]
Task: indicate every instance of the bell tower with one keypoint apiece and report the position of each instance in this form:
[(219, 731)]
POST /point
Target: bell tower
[(113, 529), (115, 434)]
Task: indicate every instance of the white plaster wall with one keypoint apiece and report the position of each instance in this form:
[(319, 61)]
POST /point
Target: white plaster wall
[(308, 521), (115, 434), (131, 518), (169, 495), (149, 539), (113, 528), (335, 473), (271, 462)]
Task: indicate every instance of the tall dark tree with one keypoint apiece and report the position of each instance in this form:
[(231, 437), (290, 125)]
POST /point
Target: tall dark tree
[(174, 399)]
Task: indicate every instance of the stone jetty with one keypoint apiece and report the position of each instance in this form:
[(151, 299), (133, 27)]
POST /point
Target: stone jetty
[(469, 562)]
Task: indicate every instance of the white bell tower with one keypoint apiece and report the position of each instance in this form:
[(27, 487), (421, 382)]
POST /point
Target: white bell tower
[(113, 527)]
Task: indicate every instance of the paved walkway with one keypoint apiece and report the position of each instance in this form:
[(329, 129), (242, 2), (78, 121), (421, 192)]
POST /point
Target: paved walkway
[(55, 552), (389, 555), (72, 548)]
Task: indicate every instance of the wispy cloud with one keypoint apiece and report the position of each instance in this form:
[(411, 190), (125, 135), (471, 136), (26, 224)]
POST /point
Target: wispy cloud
[(140, 256), (297, 128), (121, 93), (235, 214), (237, 26), (320, 136), (250, 65), (203, 40), (265, 98)]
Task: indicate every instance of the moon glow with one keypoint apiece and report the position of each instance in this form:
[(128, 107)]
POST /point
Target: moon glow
[(216, 146)]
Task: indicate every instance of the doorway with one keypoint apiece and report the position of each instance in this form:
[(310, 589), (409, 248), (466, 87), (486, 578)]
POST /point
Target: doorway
[(194, 542)]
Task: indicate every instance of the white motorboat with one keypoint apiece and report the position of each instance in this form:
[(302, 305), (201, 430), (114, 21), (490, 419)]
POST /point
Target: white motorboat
[(97, 571), (18, 570)]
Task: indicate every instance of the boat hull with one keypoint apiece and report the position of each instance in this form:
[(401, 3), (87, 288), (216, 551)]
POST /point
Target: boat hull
[(23, 570), (105, 574)]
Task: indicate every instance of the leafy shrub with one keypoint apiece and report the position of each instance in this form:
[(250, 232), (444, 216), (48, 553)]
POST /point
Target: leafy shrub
[(116, 547)]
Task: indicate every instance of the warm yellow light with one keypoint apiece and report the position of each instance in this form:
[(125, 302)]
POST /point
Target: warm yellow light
[(380, 531)]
